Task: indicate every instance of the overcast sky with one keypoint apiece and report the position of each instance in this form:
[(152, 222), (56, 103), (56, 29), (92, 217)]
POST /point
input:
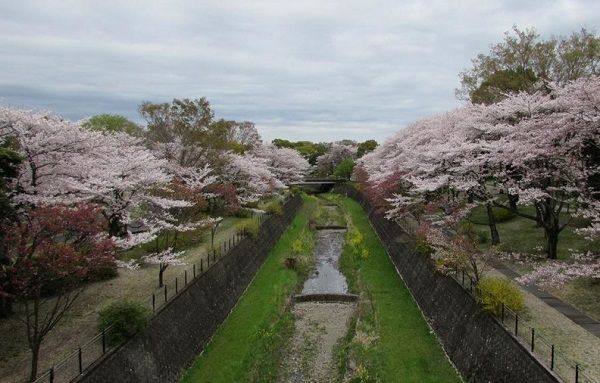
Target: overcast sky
[(316, 70)]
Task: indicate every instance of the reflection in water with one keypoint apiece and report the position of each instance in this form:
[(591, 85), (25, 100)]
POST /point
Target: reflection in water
[(327, 278)]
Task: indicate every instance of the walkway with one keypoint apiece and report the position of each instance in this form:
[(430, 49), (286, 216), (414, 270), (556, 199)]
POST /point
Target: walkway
[(579, 318)]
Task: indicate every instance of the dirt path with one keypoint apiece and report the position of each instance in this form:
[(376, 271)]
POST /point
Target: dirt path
[(319, 327)]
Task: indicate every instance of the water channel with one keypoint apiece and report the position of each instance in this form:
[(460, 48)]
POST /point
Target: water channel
[(326, 278)]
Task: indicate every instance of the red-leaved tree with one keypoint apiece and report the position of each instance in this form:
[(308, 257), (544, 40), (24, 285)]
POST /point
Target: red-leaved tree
[(52, 253)]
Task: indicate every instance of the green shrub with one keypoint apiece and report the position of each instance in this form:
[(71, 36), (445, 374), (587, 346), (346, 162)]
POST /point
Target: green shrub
[(295, 189), (423, 248), (316, 215), (242, 213), (126, 318), (493, 292), (248, 226), (304, 243), (363, 376), (275, 208), (482, 237), (344, 169), (355, 240)]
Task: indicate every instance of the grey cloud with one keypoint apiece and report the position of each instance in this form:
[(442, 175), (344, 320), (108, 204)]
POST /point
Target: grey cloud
[(317, 70)]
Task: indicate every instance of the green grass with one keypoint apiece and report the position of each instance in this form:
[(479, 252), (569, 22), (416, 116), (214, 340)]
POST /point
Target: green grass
[(583, 293), (522, 235), (247, 346), (395, 343)]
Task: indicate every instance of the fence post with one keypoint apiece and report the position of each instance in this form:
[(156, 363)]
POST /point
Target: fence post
[(463, 277), (576, 373), (194, 270), (104, 340), (165, 293), (153, 302), (516, 325), (552, 358), (185, 277), (532, 339), (79, 359), (502, 313), (51, 374), (176, 287)]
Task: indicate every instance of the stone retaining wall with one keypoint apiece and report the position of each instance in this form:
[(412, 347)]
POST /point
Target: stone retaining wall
[(181, 330), (478, 345)]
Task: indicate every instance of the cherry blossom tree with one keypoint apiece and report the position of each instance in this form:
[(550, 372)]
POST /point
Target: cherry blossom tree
[(336, 153), (65, 163), (286, 164), (252, 176), (54, 153), (556, 273), (532, 146)]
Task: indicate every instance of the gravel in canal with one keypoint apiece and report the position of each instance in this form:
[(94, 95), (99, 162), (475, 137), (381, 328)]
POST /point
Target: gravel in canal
[(319, 327)]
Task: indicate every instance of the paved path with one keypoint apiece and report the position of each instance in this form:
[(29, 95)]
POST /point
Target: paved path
[(579, 318)]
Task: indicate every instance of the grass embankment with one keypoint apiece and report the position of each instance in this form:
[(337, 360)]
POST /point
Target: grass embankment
[(389, 340), (521, 235), (247, 345)]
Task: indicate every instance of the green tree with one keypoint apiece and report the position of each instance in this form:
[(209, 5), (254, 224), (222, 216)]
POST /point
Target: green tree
[(113, 123), (309, 150), (500, 83), (344, 169), (524, 61), (187, 120), (366, 147)]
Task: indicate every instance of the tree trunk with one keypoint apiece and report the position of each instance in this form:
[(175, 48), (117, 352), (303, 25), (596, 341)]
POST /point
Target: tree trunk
[(552, 242), (160, 275), (492, 223), (212, 239), (5, 307), (512, 201), (540, 218), (35, 351), (551, 229), (116, 228)]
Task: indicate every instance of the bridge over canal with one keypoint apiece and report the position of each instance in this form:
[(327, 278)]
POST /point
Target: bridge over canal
[(317, 185)]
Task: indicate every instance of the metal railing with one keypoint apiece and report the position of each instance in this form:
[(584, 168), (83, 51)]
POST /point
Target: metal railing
[(76, 363), (533, 340)]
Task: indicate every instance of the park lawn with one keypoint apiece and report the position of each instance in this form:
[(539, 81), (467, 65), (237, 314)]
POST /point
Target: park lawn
[(186, 241), (247, 345), (395, 343), (521, 235)]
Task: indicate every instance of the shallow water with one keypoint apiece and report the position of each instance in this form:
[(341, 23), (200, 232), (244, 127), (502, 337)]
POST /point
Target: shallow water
[(327, 278)]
